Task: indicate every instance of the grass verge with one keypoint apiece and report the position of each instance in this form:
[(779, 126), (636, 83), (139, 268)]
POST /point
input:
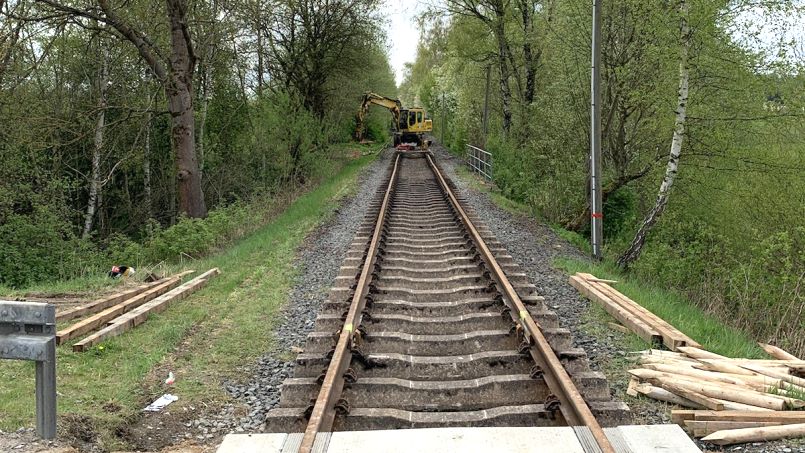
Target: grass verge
[(201, 339)]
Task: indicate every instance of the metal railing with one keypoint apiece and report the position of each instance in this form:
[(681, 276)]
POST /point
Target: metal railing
[(479, 161)]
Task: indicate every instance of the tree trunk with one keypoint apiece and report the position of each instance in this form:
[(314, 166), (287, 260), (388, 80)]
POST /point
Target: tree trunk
[(505, 74), (636, 247), (260, 63), (147, 160), (97, 148), (529, 59), (202, 124), (178, 89)]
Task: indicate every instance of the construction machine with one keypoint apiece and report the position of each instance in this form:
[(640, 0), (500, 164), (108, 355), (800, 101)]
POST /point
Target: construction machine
[(409, 124)]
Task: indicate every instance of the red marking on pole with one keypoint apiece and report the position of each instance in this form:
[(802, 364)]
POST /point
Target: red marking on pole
[(597, 215)]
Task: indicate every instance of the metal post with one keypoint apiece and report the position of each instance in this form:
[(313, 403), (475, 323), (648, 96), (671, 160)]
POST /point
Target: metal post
[(596, 208), (486, 104), (28, 332), (46, 393)]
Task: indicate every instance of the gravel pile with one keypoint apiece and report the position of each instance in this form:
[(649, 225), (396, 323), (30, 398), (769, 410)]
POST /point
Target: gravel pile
[(317, 264)]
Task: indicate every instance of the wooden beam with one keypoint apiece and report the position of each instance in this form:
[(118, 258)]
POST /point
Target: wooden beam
[(140, 314), (777, 353), (672, 337), (742, 416), (744, 435), (634, 324), (704, 428), (100, 304), (660, 394), (99, 319), (721, 391)]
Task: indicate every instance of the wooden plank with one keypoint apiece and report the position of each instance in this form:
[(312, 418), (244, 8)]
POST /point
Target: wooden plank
[(691, 395), (660, 394), (733, 406), (699, 374), (798, 383), (97, 320), (637, 326), (101, 304), (744, 435), (777, 353), (672, 337), (698, 353), (704, 428), (715, 390), (746, 416), (679, 416), (140, 314)]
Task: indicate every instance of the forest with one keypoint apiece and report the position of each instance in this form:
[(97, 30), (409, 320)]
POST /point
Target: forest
[(702, 125), (123, 124), (140, 132)]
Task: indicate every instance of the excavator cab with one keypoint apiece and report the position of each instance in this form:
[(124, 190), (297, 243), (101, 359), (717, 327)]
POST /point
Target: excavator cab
[(414, 123), (410, 125)]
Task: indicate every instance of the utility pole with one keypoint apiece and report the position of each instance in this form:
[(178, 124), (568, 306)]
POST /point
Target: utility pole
[(444, 118), (596, 208), (486, 103)]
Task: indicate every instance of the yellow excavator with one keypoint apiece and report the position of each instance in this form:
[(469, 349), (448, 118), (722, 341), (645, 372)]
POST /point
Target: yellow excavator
[(410, 125)]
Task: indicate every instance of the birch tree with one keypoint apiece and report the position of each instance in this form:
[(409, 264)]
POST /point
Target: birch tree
[(95, 183), (672, 167)]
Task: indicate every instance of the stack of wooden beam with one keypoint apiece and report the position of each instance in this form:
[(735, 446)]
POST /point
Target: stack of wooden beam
[(634, 316), (122, 311), (712, 383)]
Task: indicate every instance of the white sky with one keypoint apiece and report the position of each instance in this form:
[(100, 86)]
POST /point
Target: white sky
[(403, 32)]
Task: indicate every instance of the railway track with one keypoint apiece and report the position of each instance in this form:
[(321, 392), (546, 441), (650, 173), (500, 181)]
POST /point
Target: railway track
[(432, 324)]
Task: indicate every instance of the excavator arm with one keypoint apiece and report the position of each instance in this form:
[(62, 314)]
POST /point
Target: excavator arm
[(393, 105)]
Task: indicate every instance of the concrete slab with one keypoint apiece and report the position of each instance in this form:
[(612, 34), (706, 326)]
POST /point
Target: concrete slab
[(481, 440), (626, 439), (243, 443), (657, 438)]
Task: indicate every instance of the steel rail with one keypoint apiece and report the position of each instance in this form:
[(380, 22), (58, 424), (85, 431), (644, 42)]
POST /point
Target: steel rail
[(321, 419), (572, 404)]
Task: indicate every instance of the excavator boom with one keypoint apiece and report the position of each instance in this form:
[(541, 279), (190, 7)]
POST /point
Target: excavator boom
[(410, 125)]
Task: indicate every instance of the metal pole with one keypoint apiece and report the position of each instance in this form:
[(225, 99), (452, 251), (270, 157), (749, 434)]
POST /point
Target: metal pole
[(444, 116), (486, 103), (46, 393), (596, 208)]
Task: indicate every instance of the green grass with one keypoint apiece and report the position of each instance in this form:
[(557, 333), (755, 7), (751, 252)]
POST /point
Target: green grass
[(714, 335), (202, 339)]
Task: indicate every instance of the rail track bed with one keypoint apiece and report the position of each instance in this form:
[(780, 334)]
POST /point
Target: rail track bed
[(430, 323)]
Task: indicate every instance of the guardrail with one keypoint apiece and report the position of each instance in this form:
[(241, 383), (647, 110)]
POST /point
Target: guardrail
[(479, 161), (28, 332)]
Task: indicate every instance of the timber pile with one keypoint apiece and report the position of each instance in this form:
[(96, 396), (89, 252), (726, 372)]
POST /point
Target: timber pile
[(735, 400), (103, 311), (139, 315), (634, 316), (125, 310)]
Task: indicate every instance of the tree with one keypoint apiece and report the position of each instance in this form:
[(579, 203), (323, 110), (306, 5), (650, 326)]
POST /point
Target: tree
[(636, 246), (174, 70), (492, 13)]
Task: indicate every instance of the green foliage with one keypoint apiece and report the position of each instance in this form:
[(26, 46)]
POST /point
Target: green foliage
[(730, 237)]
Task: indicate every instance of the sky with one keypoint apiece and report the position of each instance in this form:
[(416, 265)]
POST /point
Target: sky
[(403, 32)]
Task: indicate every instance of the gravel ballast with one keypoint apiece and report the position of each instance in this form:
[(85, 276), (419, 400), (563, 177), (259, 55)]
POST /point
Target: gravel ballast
[(317, 264), (532, 245)]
